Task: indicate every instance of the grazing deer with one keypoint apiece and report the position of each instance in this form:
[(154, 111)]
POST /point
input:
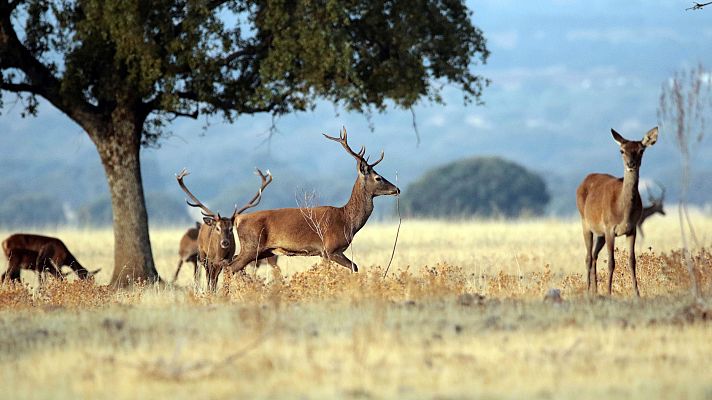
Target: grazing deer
[(611, 207), (216, 243), (188, 252), (41, 254), (655, 207), (319, 231)]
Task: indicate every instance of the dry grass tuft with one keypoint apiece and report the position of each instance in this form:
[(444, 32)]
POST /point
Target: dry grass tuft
[(662, 274)]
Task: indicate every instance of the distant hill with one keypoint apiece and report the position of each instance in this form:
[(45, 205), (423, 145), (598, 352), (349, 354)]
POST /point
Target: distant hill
[(563, 74)]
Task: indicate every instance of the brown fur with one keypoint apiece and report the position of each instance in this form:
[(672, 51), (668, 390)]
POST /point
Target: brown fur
[(188, 252), (319, 231), (49, 253), (215, 241), (611, 207)]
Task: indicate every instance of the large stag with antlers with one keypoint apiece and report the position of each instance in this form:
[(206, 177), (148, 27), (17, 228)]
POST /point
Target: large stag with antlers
[(612, 207), (188, 253), (315, 231), (655, 207), (43, 254), (216, 243)]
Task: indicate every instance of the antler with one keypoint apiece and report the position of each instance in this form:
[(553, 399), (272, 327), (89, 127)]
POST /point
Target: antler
[(266, 180), (206, 211), (343, 139)]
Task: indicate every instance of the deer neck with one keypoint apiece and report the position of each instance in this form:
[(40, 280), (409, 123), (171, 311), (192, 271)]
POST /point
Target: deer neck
[(629, 197), (359, 207)]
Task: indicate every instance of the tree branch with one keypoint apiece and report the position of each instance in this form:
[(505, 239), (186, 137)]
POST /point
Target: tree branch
[(698, 6), (19, 87), (226, 105), (41, 80)]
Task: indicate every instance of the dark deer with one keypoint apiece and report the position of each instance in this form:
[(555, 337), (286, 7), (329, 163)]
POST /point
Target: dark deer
[(43, 254), (188, 252), (216, 243), (315, 231), (611, 207), (655, 207)]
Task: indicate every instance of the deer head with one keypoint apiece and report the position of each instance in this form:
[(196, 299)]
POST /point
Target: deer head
[(374, 184), (223, 225), (656, 203), (632, 151), (220, 225), (83, 273)]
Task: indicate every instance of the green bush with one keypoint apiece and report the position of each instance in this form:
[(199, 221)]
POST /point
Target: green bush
[(480, 186)]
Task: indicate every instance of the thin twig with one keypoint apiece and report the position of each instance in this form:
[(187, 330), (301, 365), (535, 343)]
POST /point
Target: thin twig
[(415, 128), (395, 242)]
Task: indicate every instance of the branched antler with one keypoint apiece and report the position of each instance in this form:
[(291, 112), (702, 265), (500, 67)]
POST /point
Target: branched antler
[(196, 203), (343, 139), (266, 180)]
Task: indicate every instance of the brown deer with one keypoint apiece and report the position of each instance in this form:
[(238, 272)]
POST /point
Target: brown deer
[(655, 207), (319, 231), (188, 252), (611, 207), (216, 243), (41, 254)]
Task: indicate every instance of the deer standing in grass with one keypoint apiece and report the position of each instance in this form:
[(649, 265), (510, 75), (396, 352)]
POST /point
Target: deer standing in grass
[(216, 242), (43, 254), (611, 207), (655, 207), (314, 231), (188, 252)]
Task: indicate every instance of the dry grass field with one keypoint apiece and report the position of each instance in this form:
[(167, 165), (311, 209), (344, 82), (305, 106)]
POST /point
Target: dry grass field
[(460, 315)]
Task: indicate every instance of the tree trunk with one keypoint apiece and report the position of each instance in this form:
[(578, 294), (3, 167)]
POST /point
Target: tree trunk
[(119, 152)]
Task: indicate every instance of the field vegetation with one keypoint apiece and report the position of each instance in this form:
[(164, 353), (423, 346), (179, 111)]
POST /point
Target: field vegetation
[(461, 314)]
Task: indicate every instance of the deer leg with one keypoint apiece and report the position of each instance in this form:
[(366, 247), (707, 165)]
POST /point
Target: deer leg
[(598, 245), (242, 260), (212, 272), (196, 272), (13, 269), (611, 245), (631, 254), (341, 259), (180, 264), (272, 261), (588, 242)]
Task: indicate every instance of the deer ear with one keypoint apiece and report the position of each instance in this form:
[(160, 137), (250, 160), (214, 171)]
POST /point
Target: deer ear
[(208, 221), (618, 138), (651, 137)]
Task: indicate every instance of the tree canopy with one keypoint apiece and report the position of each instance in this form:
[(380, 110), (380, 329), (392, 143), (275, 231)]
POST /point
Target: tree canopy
[(123, 70), (479, 186), (185, 58)]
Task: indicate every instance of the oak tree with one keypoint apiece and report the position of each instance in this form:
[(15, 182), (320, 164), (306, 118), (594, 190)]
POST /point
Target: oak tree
[(123, 70)]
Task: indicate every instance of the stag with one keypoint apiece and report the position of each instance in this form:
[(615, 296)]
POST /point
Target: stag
[(43, 254), (316, 231), (655, 207), (188, 252), (612, 207), (216, 243)]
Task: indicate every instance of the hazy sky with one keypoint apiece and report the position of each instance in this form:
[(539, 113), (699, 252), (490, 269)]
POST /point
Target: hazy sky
[(563, 73)]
